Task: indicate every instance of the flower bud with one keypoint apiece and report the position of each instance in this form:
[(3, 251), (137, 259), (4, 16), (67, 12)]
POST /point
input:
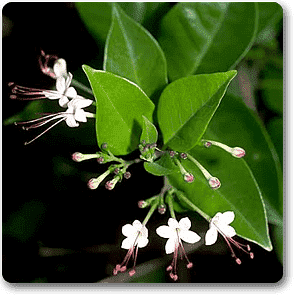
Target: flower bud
[(127, 175), (183, 155), (189, 177), (77, 156), (162, 209), (100, 160), (214, 183), (238, 152), (142, 204)]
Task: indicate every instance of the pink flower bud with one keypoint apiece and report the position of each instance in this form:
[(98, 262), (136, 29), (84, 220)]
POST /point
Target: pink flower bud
[(238, 152), (162, 209), (77, 156), (214, 183), (100, 160), (127, 175), (189, 177), (142, 204), (93, 183), (109, 185), (183, 155)]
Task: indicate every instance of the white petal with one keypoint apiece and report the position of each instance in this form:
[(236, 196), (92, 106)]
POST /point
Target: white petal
[(137, 225), (71, 122), (128, 230), (63, 101), (170, 245), (52, 95), (165, 231), (211, 236), (84, 103), (71, 92), (189, 236), (185, 223), (228, 231), (61, 84), (142, 242), (60, 67), (227, 217), (127, 243), (173, 223), (80, 115), (69, 80)]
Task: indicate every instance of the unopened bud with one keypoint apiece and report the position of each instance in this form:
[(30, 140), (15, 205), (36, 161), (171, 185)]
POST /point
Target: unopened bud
[(109, 185), (142, 204), (183, 155), (127, 175), (93, 183), (238, 261), (104, 146), (100, 160), (77, 156), (214, 183), (172, 153), (189, 177), (131, 272), (162, 209), (207, 144), (238, 152)]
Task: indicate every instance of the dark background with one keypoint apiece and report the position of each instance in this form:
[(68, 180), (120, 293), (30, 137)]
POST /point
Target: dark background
[(46, 203)]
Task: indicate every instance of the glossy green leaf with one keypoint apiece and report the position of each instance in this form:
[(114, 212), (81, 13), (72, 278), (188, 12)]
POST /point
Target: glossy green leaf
[(121, 105), (161, 167), (97, 15), (187, 105), (235, 125), (239, 192), (149, 133), (133, 53), (207, 37)]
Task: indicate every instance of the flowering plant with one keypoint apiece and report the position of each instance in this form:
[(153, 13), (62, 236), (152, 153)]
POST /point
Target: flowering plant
[(164, 104)]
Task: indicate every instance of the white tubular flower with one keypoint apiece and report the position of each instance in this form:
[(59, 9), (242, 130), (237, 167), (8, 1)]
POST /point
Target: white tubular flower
[(72, 116), (136, 237), (220, 223), (175, 232), (60, 68), (63, 90)]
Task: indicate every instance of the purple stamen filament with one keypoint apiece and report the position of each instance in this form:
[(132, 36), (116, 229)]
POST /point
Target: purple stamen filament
[(237, 244)]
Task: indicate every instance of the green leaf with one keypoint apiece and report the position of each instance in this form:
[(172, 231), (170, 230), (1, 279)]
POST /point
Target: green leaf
[(149, 133), (239, 192), (121, 105), (161, 167), (133, 53), (235, 125), (187, 105), (207, 37)]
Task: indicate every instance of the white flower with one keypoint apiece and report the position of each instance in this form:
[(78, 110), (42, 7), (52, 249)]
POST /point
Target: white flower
[(76, 113), (60, 68), (175, 232), (72, 116), (220, 223), (136, 237), (136, 234), (63, 90)]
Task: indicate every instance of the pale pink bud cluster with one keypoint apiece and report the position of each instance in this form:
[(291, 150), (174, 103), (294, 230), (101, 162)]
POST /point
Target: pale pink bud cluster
[(214, 183)]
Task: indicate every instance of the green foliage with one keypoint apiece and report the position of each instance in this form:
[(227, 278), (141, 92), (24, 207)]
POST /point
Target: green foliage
[(121, 105), (207, 37), (187, 105), (127, 50)]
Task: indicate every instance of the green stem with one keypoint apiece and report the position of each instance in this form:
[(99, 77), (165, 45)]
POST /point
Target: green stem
[(170, 203), (150, 212), (203, 170), (82, 87)]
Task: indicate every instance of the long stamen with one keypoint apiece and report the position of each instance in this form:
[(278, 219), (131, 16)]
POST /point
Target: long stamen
[(42, 118), (26, 143)]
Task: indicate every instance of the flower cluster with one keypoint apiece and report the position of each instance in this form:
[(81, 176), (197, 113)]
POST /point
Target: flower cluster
[(65, 94), (119, 170), (176, 232)]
